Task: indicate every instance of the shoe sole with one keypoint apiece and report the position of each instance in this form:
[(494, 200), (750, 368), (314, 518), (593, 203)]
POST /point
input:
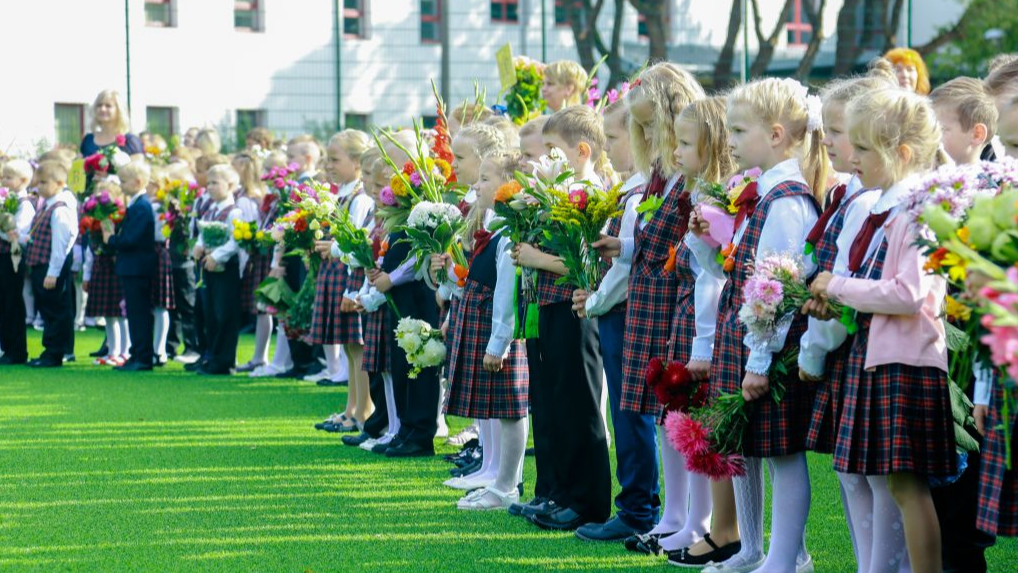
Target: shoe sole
[(595, 540)]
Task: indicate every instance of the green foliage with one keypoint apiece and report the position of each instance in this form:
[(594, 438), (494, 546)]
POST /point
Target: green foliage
[(523, 100), (970, 52)]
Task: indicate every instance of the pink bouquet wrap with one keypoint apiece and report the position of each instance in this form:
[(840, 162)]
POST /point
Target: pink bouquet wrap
[(722, 225)]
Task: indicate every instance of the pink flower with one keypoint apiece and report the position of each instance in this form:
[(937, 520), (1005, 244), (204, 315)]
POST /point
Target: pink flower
[(686, 435), (280, 183), (717, 466), (91, 203), (578, 199), (121, 140), (768, 291), (292, 168), (613, 95), (415, 179), (387, 197), (104, 198)]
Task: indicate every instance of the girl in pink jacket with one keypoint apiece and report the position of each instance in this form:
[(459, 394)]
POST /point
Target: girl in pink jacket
[(895, 425)]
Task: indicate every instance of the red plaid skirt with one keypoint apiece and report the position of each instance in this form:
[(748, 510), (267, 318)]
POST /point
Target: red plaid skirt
[(895, 418), (325, 322), (162, 284), (104, 292), (823, 427), (351, 329), (998, 487), (774, 429), (377, 334), (473, 391), (258, 267)]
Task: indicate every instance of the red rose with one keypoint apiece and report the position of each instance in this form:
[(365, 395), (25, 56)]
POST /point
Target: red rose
[(676, 375), (121, 140), (654, 369), (300, 225)]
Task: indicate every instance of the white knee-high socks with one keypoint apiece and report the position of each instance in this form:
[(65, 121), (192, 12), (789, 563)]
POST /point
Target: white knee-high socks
[(513, 443), (673, 515), (125, 337), (695, 506), (281, 360), (390, 404), (790, 500), (333, 357), (263, 330), (749, 508), (888, 549), (490, 432), (114, 343), (162, 331)]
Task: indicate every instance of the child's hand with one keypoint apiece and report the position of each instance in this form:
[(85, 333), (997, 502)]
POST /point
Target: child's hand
[(697, 224), (979, 413), (357, 306), (84, 287), (445, 327), (211, 265), (820, 284), (437, 266), (492, 363), (346, 305), (754, 386), (323, 248), (699, 370), (580, 297), (12, 236), (527, 255), (817, 309), (381, 281), (107, 229), (277, 272), (199, 252), (609, 247), (49, 283)]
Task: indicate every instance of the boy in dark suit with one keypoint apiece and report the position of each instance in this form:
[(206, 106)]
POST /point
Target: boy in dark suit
[(54, 230), (16, 176), (136, 262)]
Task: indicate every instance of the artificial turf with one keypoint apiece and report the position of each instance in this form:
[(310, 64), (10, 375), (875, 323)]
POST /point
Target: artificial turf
[(168, 471)]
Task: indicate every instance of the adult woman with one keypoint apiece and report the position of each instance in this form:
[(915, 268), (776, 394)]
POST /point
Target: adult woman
[(110, 126), (910, 70)]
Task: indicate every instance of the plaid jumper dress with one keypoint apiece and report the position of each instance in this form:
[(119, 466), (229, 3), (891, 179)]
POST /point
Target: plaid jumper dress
[(259, 263), (895, 418), (328, 324), (378, 326), (473, 391), (653, 293), (998, 487), (162, 282), (775, 429), (104, 292), (827, 404)]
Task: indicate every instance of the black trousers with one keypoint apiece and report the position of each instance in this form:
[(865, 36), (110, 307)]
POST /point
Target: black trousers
[(378, 422), (417, 399), (571, 448), (12, 309), (222, 316), (183, 328), (138, 299), (56, 306)]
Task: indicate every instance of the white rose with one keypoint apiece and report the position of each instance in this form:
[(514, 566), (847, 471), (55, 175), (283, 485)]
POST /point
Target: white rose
[(433, 353)]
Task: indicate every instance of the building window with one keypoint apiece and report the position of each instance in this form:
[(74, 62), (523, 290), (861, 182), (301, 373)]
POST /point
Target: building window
[(641, 27), (160, 13), (798, 29), (70, 122), (247, 16), (431, 21), (507, 11), (248, 119), (561, 17), (359, 121), (161, 120), (354, 17), (641, 24)]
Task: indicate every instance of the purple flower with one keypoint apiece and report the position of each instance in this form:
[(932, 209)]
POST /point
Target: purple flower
[(90, 203), (292, 168), (387, 197), (613, 95), (415, 179), (280, 183), (104, 198)]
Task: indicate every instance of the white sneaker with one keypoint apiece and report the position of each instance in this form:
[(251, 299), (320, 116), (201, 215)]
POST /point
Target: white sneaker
[(735, 564), (805, 566), (367, 444), (467, 434), (90, 322), (323, 375), (265, 371), (468, 484), (488, 499)]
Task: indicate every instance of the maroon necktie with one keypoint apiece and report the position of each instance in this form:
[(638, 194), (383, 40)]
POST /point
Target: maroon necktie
[(821, 225), (746, 203), (481, 240), (862, 241), (656, 186)]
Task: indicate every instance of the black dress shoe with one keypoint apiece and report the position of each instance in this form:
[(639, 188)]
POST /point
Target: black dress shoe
[(6, 360), (356, 440), (517, 509), (45, 363), (410, 450), (297, 373), (69, 358), (207, 371), (133, 367), (194, 366), (645, 542), (682, 558), (381, 448), (466, 470), (160, 362), (564, 519), (103, 351), (329, 382)]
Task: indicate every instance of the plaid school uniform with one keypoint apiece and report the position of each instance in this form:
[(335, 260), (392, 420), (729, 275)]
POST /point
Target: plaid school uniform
[(351, 327), (473, 391), (614, 230), (329, 291), (775, 429), (258, 266), (827, 404), (651, 299), (998, 487), (896, 417), (162, 283), (104, 292), (40, 240), (377, 325)]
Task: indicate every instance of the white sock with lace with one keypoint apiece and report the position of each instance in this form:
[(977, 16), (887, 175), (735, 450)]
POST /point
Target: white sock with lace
[(263, 330), (390, 406), (888, 531), (749, 508), (513, 443), (333, 357), (125, 337), (673, 514), (281, 361), (113, 342), (161, 331), (487, 440), (790, 509), (858, 499), (698, 514), (342, 370)]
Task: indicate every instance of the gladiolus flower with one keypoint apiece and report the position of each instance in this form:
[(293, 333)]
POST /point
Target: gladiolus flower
[(670, 263)]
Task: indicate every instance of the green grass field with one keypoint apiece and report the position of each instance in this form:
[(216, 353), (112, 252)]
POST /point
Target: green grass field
[(102, 471)]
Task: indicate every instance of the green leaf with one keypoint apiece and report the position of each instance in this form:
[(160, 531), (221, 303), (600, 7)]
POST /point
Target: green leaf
[(957, 340)]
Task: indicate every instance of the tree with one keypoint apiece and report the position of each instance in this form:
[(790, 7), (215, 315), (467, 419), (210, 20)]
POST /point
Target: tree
[(582, 17), (654, 15), (726, 59), (767, 45), (880, 19), (816, 20), (963, 48)]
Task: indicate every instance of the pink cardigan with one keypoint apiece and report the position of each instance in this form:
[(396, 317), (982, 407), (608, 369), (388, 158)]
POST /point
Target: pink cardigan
[(905, 302)]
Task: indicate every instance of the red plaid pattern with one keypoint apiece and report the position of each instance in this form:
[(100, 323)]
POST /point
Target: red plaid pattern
[(998, 487), (162, 285), (40, 237), (550, 293), (377, 333), (774, 429), (653, 293), (104, 292), (325, 327), (258, 267), (351, 330), (895, 418)]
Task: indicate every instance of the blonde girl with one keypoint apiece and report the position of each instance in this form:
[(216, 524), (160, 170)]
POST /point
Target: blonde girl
[(564, 83), (105, 293), (251, 201)]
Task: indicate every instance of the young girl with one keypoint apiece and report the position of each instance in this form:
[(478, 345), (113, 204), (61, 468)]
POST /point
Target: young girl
[(163, 297), (895, 425), (104, 292), (848, 205), (259, 260), (488, 369), (777, 127), (564, 84)]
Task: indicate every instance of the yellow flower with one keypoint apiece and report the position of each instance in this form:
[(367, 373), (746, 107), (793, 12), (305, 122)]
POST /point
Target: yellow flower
[(238, 234), (167, 231), (957, 311), (956, 271), (964, 234), (161, 194), (398, 187), (260, 235), (444, 167)]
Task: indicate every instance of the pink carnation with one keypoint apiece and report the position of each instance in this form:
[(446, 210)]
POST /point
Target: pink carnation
[(415, 179), (386, 196), (767, 291)]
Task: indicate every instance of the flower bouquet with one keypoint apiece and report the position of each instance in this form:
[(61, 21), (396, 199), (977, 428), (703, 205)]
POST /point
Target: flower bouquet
[(249, 237), (98, 208), (717, 205), (417, 180), (673, 386), (577, 218), (441, 144), (106, 161), (523, 100), (9, 203), (178, 198), (424, 345), (282, 180), (357, 247), (433, 229)]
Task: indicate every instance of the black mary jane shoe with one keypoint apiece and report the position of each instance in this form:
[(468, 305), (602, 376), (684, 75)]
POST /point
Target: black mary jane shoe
[(645, 543), (682, 558)]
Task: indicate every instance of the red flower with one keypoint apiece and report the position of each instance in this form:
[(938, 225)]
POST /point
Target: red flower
[(85, 225), (654, 370), (121, 140), (300, 225), (676, 375), (686, 435), (408, 168), (717, 466), (699, 399), (578, 198)]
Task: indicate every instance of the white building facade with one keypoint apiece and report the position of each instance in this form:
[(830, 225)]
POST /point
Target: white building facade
[(298, 66)]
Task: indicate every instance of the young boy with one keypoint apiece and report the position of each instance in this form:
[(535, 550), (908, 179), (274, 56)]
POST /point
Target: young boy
[(574, 481), (532, 140), (967, 117), (134, 245), (222, 276), (51, 237), (15, 177)]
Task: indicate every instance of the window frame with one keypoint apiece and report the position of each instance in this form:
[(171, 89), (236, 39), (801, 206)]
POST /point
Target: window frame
[(171, 14), (80, 109), (435, 19), (254, 7), (360, 13), (797, 27), (260, 120), (504, 4), (171, 125)]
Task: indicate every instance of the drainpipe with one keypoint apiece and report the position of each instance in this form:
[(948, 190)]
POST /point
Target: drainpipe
[(338, 72), (127, 50)]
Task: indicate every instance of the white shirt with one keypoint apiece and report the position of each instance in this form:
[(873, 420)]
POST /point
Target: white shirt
[(615, 286), (789, 221), (64, 230), (503, 313), (22, 219), (629, 244), (229, 249), (831, 336)]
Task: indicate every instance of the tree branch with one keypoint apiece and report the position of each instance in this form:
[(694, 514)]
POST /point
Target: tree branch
[(948, 35)]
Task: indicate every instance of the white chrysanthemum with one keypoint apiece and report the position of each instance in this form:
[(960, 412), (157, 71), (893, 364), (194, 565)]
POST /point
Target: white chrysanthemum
[(433, 353), (410, 342), (428, 215)]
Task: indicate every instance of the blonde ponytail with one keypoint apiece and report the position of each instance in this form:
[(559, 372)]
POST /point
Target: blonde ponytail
[(816, 164)]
